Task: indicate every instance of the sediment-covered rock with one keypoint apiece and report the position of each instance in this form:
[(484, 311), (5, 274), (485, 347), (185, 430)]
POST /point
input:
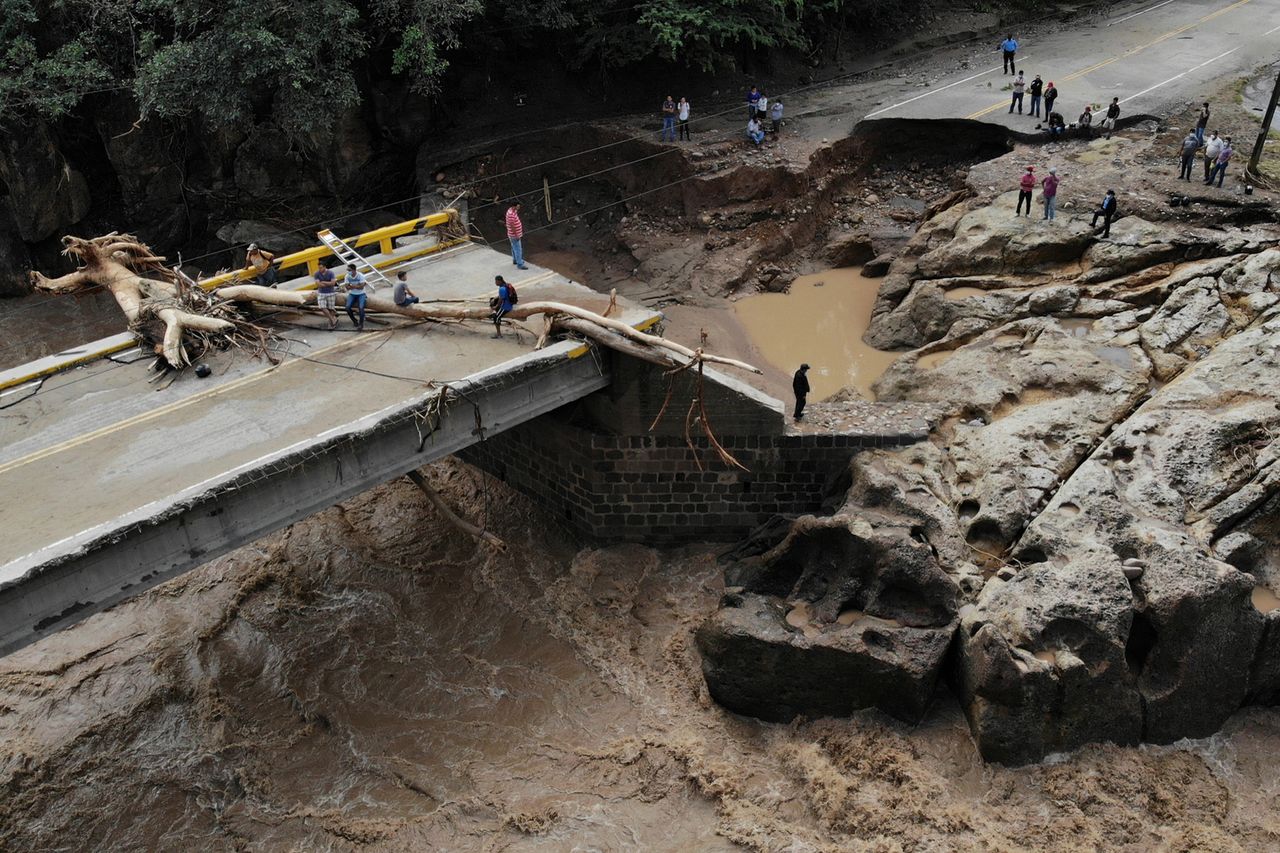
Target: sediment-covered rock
[(844, 613)]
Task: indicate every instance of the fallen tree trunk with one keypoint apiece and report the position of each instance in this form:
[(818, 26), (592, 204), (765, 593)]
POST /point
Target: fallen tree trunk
[(580, 320), (452, 517)]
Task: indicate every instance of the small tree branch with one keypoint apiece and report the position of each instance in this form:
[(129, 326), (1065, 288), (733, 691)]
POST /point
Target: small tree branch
[(452, 517)]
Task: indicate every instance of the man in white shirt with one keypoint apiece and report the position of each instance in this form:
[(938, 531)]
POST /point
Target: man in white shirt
[(683, 115)]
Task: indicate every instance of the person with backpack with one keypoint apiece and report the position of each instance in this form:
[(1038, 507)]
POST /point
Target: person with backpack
[(1050, 95), (1037, 90), (1026, 186), (669, 120), (1113, 113), (1009, 47), (1019, 86), (1107, 211), (515, 233), (502, 303)]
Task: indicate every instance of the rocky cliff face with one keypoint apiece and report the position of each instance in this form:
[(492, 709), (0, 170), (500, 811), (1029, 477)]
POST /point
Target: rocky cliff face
[(1101, 495)]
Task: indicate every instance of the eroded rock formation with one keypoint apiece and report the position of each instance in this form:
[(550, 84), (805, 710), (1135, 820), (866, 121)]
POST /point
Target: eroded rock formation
[(1102, 495)]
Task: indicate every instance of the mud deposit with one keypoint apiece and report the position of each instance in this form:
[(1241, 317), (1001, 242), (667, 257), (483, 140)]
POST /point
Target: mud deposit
[(368, 680)]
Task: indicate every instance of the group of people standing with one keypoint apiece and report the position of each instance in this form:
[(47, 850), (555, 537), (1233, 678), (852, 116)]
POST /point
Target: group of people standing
[(759, 110), (675, 120), (1048, 93), (1217, 151), (1106, 210)]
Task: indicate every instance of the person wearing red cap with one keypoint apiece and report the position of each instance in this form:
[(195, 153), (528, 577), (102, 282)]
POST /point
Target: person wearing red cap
[(1025, 188)]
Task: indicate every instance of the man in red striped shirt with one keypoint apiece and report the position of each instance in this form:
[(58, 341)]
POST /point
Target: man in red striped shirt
[(515, 233)]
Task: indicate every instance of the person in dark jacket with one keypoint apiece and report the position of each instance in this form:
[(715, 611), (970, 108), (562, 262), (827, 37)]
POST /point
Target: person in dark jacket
[(1050, 95), (1107, 210), (1037, 90), (800, 385)]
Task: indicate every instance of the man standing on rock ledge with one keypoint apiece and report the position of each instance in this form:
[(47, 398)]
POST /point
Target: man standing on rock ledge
[(800, 385), (1107, 211), (515, 233)]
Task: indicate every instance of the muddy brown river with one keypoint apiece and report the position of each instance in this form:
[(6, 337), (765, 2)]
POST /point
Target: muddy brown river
[(371, 680)]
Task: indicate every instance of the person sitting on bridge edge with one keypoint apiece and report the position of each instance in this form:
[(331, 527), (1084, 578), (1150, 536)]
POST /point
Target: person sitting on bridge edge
[(515, 233), (754, 132), (1107, 211), (1037, 90), (258, 261), (1019, 86), (1009, 47), (1086, 122), (501, 304), (1057, 124), (326, 294), (800, 385), (1113, 113), (1190, 145), (403, 295), (1050, 95), (356, 298), (1026, 186)]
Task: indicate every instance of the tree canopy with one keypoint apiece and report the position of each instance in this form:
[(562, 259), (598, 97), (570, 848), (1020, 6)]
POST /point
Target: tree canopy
[(232, 61)]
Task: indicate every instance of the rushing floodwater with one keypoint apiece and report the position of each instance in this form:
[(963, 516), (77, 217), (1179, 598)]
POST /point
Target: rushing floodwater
[(371, 680)]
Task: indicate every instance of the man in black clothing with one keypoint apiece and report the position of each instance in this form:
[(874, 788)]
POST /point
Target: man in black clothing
[(1113, 113), (1107, 211), (800, 385)]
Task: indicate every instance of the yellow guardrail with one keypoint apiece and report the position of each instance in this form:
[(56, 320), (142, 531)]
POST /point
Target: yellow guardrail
[(383, 237)]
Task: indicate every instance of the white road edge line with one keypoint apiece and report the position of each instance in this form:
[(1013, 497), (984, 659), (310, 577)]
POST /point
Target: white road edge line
[(1143, 12), (1178, 76), (934, 91)]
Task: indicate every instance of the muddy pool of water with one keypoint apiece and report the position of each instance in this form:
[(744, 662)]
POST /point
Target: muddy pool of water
[(820, 320)]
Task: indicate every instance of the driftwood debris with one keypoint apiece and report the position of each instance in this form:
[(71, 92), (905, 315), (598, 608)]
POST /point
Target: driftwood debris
[(180, 321), (452, 517)]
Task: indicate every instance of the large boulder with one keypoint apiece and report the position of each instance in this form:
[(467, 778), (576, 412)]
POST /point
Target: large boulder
[(847, 612), (46, 195)]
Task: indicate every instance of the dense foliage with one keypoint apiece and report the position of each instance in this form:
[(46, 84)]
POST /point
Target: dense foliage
[(234, 61)]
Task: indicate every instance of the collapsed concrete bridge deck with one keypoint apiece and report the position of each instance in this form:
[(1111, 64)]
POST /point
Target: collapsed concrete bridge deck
[(111, 485)]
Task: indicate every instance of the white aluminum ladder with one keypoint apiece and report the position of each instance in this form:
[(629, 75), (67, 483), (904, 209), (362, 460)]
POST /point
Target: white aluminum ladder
[(348, 255)]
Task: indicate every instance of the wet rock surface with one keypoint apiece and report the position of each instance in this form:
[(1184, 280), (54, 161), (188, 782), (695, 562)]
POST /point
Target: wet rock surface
[(1099, 485)]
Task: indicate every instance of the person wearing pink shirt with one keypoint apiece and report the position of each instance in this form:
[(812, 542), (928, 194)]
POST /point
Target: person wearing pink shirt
[(1050, 187), (1026, 187)]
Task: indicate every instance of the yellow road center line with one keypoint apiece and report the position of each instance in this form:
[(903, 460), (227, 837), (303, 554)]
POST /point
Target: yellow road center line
[(171, 407), (1158, 40)]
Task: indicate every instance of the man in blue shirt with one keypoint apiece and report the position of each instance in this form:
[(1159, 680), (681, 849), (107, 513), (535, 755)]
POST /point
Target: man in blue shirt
[(501, 304), (356, 298), (1010, 47)]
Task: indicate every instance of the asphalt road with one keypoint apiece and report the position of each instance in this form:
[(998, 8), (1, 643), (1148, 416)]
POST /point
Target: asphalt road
[(1149, 55)]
